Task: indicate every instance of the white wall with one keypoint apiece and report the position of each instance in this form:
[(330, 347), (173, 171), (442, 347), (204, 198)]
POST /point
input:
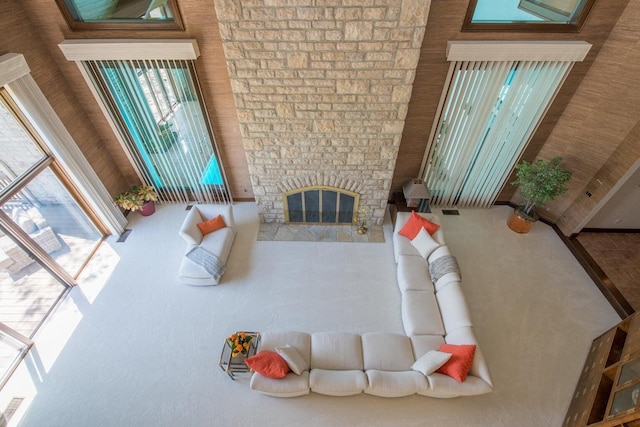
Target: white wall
[(623, 209)]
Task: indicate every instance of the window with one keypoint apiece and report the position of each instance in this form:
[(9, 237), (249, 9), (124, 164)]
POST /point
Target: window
[(121, 14), (527, 15), (48, 228), (490, 110), (156, 107), (157, 110)]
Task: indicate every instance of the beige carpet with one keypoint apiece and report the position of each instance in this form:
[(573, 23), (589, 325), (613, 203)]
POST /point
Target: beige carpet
[(134, 347)]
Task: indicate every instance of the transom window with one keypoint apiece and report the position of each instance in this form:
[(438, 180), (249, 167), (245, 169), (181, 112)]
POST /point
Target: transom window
[(121, 14)]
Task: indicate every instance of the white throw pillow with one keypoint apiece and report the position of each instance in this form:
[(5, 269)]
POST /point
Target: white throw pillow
[(431, 362), (296, 362), (424, 243)]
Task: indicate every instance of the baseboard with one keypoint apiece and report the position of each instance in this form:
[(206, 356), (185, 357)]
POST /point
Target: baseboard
[(610, 230)]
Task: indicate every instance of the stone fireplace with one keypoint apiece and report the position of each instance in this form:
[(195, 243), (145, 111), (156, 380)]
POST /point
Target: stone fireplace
[(322, 91)]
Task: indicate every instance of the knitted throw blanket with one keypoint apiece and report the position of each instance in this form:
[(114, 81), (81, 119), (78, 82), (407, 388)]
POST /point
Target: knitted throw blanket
[(443, 265), (207, 260)]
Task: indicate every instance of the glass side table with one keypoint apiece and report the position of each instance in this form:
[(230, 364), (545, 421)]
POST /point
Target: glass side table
[(235, 364)]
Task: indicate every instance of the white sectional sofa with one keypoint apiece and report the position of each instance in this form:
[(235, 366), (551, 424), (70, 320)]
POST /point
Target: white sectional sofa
[(379, 363)]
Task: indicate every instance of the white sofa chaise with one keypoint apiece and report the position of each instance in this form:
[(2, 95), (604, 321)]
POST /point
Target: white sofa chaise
[(379, 363), (218, 243)]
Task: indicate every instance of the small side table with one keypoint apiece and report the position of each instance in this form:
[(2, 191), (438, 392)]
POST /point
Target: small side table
[(233, 365)]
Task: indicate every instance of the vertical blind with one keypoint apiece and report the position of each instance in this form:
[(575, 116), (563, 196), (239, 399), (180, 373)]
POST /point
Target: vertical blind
[(491, 110), (156, 107)]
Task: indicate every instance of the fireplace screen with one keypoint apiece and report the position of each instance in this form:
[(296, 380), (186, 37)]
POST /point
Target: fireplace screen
[(321, 205)]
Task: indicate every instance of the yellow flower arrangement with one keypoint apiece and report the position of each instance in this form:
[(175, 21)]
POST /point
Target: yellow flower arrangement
[(239, 343)]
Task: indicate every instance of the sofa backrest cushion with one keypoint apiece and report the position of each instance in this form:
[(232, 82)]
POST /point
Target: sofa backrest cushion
[(479, 368), (301, 341), (189, 230), (387, 351), (336, 351), (453, 307), (414, 224)]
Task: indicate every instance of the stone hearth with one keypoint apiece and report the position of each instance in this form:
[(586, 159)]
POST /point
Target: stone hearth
[(322, 87)]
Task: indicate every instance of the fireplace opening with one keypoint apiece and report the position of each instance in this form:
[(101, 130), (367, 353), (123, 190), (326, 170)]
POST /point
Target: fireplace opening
[(321, 205)]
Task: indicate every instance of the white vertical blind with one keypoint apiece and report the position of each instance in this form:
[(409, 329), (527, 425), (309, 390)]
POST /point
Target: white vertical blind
[(144, 97), (491, 110)]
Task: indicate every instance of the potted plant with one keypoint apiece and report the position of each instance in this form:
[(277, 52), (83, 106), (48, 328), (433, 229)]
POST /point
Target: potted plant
[(138, 198), (539, 182)]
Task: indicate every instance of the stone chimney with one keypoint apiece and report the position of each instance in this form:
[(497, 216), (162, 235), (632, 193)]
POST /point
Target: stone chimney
[(322, 87)]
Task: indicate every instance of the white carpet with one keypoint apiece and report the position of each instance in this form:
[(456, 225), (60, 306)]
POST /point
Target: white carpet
[(134, 347)]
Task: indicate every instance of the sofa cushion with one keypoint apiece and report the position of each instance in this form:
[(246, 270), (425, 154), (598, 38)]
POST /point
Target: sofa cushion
[(189, 230), (295, 361), (439, 252), (413, 274), (447, 278), (430, 362), (414, 224), (395, 384), (211, 225), (402, 245), (268, 363), (443, 386), (422, 344), (479, 368), (424, 243), (22, 218), (336, 351), (453, 307), (386, 351), (420, 313), (459, 365), (291, 385), (301, 341), (219, 242), (337, 383)]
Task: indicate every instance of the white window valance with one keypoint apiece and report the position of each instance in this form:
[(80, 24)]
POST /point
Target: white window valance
[(472, 50), (122, 49)]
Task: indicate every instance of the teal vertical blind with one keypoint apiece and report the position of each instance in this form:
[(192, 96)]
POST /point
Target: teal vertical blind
[(490, 112), (156, 107)]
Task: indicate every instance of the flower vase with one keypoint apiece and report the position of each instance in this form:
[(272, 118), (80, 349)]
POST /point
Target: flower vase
[(148, 209)]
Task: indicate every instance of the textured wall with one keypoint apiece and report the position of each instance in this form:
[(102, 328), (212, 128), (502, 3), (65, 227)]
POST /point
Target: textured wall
[(599, 132), (322, 88)]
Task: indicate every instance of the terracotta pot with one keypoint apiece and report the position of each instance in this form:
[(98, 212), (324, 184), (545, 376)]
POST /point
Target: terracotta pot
[(148, 209), (518, 223)]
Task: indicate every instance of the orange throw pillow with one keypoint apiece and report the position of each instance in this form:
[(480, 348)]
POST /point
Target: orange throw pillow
[(414, 224), (268, 363), (459, 365), (212, 225)]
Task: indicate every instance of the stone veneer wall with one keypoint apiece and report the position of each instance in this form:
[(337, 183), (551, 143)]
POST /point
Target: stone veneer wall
[(322, 90)]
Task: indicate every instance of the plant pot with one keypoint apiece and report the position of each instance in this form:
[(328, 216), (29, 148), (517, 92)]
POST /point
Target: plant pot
[(148, 209), (519, 222)]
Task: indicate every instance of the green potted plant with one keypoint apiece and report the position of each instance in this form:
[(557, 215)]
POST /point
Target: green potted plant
[(138, 198), (539, 182)]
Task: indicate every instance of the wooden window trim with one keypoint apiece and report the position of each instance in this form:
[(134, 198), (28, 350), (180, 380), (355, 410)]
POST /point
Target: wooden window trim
[(177, 23), (543, 27)]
